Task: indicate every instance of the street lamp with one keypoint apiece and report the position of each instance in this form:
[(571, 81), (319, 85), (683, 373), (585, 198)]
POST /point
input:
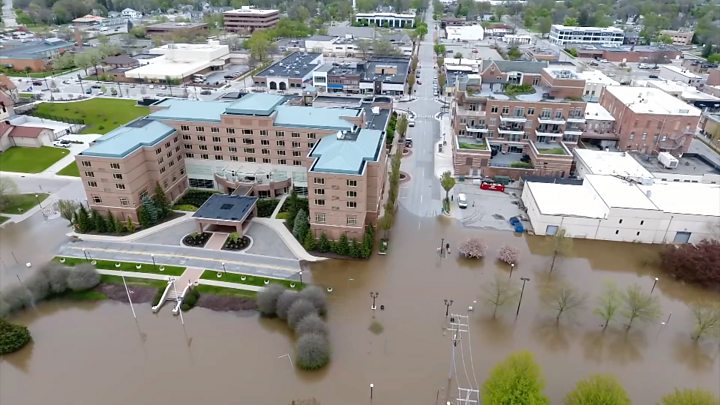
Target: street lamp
[(300, 274), (654, 284), (448, 304), (524, 279), (153, 260), (373, 295), (512, 267), (223, 266), (85, 254)]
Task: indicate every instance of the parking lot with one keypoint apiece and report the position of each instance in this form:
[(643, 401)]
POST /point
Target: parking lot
[(487, 209), (218, 77)]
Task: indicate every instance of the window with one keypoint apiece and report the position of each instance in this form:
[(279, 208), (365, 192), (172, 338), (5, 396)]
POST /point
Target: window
[(531, 111), (158, 151), (351, 204), (234, 158), (265, 151), (231, 140), (89, 174), (230, 130), (319, 180), (117, 176), (296, 153), (168, 154), (311, 144), (320, 217), (217, 148), (187, 137), (171, 164), (352, 194), (282, 161), (92, 184), (190, 155), (88, 164), (297, 163), (120, 186), (124, 201), (296, 144), (201, 138), (200, 129), (505, 109), (264, 142), (352, 183), (201, 183), (247, 131), (320, 191), (162, 169), (281, 153), (493, 109), (214, 129), (216, 139), (218, 157), (279, 134), (311, 135), (266, 160), (167, 144), (248, 141), (249, 150), (96, 199), (295, 135), (202, 147), (177, 148), (250, 159), (184, 127), (232, 149), (205, 156), (280, 143), (352, 220), (263, 132), (320, 202)]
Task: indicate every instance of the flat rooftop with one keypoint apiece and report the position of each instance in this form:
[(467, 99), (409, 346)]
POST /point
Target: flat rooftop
[(347, 154), (684, 198), (567, 199), (226, 207), (649, 100), (122, 141), (400, 64), (680, 71), (596, 76), (295, 65), (594, 111), (189, 110), (247, 10), (587, 29), (612, 163), (313, 117), (34, 49), (256, 104), (688, 164), (176, 26), (618, 193)]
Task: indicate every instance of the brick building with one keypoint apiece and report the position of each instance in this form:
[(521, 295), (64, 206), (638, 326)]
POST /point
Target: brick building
[(248, 19)]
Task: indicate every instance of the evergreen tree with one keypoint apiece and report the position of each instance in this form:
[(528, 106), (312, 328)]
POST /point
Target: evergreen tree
[(99, 222), (309, 241), (354, 250), (130, 225), (162, 203), (324, 244), (300, 225), (342, 247), (82, 220), (148, 214), (292, 208), (111, 223)]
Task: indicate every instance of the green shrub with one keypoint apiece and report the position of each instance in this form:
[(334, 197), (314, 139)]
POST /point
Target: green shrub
[(190, 299), (265, 207), (522, 165), (312, 351), (195, 198), (12, 337), (267, 299)]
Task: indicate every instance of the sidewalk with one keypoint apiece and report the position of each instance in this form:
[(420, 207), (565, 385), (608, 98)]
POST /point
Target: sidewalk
[(134, 274), (289, 240), (225, 284), (186, 216), (279, 206), (444, 160)]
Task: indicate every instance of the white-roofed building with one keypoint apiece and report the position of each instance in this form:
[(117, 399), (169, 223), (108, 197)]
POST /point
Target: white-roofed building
[(679, 74), (608, 207), (595, 82), (465, 33), (622, 164), (181, 61)]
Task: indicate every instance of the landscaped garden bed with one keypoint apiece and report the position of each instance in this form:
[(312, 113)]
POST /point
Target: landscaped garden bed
[(122, 266), (196, 239), (192, 200), (236, 242), (266, 206)]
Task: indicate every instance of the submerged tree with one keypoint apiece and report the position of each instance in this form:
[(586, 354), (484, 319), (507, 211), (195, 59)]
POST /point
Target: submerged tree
[(706, 319), (561, 246), (516, 380), (608, 304), (690, 397), (508, 254), (563, 299), (447, 181), (598, 390), (639, 305), (473, 248), (267, 298), (498, 293)]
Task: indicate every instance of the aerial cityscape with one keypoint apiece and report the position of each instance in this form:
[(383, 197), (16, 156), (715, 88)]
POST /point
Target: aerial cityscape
[(360, 202)]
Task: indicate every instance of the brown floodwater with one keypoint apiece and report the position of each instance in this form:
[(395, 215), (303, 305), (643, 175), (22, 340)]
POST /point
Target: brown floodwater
[(93, 353)]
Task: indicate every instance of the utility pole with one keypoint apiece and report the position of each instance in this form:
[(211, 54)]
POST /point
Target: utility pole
[(459, 325)]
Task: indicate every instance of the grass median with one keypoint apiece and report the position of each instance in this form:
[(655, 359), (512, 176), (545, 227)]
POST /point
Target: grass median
[(101, 115), (225, 292), (19, 203), (247, 279), (124, 266), (70, 170), (30, 160)]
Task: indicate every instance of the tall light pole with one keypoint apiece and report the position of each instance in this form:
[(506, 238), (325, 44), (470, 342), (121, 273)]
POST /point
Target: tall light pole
[(300, 274), (127, 291), (224, 269), (654, 284), (524, 280), (153, 260), (448, 304), (512, 267), (373, 295)]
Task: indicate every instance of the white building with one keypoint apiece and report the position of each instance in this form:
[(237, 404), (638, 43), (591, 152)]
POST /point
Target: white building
[(390, 20), (564, 35), (678, 74), (465, 33), (588, 162), (595, 82), (517, 39), (131, 14), (610, 208), (181, 61), (332, 46), (686, 93)]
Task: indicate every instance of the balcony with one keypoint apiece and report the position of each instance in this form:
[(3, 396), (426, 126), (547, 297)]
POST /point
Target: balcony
[(512, 118), (511, 130), (551, 148), (478, 129), (542, 132), (510, 159), (470, 113), (469, 143), (576, 118), (573, 131), (551, 120)]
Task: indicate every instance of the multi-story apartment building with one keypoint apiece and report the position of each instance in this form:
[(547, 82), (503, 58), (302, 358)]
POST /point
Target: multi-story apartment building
[(649, 120), (259, 145), (679, 37), (248, 19), (566, 35), (525, 125)]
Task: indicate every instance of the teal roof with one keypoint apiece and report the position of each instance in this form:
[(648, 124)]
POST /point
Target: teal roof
[(313, 117), (256, 104), (189, 110), (124, 140), (347, 156)]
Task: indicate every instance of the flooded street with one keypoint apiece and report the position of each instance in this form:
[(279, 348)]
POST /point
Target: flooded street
[(85, 353)]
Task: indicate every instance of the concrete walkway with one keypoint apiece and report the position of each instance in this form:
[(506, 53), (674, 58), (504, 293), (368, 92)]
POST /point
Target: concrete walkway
[(444, 160), (279, 206), (295, 247), (189, 276), (225, 284), (134, 274), (216, 241)]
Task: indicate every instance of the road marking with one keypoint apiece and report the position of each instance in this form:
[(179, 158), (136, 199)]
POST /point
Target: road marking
[(421, 197)]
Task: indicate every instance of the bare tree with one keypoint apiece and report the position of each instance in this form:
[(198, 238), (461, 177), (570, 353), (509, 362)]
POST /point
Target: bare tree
[(706, 318), (7, 188), (561, 246), (508, 254), (498, 293), (563, 299), (639, 305), (473, 248), (68, 208), (608, 304)]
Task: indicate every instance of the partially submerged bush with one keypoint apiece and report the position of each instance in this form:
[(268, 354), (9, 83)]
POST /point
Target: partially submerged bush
[(311, 323), (312, 351), (12, 337), (317, 297), (267, 299), (508, 254), (299, 310), (83, 277), (473, 248), (284, 301), (190, 299), (57, 276)]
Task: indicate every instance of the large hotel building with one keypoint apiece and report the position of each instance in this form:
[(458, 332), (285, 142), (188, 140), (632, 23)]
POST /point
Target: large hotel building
[(261, 145)]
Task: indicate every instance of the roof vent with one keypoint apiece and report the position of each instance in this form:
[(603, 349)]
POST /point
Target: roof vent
[(340, 135), (648, 193)]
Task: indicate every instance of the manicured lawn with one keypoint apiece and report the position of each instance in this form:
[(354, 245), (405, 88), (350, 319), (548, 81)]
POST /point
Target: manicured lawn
[(133, 281), (30, 160), (222, 291), (19, 203), (185, 207), (16, 73), (481, 146), (553, 151), (3, 219), (249, 280), (101, 115), (70, 170), (125, 266)]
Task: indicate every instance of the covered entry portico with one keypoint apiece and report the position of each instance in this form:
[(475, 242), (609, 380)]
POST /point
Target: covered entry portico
[(227, 211)]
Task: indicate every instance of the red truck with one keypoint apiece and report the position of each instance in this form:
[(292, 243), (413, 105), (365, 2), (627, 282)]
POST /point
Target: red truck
[(487, 185)]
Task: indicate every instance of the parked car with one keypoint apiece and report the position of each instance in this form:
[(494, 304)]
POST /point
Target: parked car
[(96, 86), (61, 144), (37, 83), (408, 142), (88, 91), (653, 76), (462, 200), (419, 82)]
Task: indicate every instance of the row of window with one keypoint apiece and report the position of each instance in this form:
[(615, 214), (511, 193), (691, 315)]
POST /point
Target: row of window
[(321, 203), (349, 220), (263, 142), (321, 181), (350, 194), (261, 132), (248, 159), (295, 153)]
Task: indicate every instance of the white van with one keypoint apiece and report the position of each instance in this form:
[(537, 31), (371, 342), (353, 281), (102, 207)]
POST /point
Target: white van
[(462, 200), (411, 122)]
